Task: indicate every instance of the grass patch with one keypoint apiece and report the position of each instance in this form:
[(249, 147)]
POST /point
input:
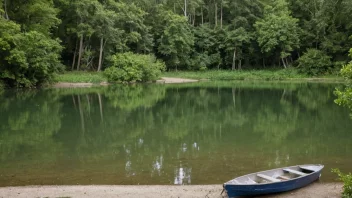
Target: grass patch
[(281, 74), (81, 77), (262, 75), (267, 75)]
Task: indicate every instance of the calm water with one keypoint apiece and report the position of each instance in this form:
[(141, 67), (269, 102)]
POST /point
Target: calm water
[(169, 134)]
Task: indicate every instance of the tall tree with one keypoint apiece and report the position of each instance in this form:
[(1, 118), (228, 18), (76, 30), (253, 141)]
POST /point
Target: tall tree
[(33, 15), (278, 31), (176, 40)]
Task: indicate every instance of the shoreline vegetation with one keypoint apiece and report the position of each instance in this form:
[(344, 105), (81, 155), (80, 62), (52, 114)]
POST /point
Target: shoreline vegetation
[(136, 41), (84, 79)]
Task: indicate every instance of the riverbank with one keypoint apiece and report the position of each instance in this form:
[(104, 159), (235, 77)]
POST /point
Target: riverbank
[(164, 80), (97, 78), (321, 190), (89, 79), (263, 75)]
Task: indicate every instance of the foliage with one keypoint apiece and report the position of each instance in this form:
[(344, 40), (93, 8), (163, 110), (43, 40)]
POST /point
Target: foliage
[(281, 74), (27, 59), (2, 86), (314, 62), (176, 40), (186, 35), (34, 15), (347, 180), (129, 67), (278, 30), (345, 97)]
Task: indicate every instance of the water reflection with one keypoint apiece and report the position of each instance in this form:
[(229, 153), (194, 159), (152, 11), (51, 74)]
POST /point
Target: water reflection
[(160, 134), (157, 165), (183, 176)]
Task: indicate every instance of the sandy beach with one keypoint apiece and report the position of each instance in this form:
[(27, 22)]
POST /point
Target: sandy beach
[(319, 190)]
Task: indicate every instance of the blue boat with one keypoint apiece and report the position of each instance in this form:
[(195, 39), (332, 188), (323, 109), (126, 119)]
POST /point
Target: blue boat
[(273, 181)]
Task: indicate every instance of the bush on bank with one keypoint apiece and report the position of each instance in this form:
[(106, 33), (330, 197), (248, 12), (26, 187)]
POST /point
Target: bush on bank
[(129, 67), (315, 62), (347, 183)]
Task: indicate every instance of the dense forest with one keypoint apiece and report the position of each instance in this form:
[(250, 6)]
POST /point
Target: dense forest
[(41, 37)]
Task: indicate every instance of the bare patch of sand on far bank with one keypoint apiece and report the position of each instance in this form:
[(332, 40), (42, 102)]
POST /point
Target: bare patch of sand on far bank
[(167, 80)]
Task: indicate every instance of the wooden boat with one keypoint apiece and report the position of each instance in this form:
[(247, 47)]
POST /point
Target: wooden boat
[(273, 181)]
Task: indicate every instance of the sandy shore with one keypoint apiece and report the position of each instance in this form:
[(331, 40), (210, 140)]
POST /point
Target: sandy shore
[(316, 190), (175, 80), (163, 80)]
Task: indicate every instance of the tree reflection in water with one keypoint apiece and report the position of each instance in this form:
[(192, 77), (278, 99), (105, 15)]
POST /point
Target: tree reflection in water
[(182, 175), (168, 135)]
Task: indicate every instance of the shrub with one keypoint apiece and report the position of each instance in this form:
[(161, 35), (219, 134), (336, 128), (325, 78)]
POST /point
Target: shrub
[(129, 67), (314, 62), (345, 96), (26, 59), (347, 183)]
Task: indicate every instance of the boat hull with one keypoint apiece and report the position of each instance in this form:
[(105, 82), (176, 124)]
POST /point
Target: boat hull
[(234, 190)]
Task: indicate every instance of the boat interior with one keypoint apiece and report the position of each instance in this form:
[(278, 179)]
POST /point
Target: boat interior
[(276, 175)]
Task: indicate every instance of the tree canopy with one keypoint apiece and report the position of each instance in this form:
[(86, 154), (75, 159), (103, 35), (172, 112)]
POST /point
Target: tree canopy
[(185, 34)]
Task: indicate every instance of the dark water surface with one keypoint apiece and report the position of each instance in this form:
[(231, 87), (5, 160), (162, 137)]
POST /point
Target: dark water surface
[(204, 133)]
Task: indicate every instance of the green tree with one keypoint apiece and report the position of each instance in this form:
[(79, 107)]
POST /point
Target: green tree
[(176, 40), (33, 15), (345, 97), (278, 31), (27, 59)]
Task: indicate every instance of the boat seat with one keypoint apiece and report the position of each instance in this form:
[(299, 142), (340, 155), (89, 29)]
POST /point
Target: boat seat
[(283, 177), (294, 172), (268, 178), (250, 181), (308, 168)]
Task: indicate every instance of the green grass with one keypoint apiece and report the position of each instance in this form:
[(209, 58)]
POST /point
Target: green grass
[(282, 74), (267, 75), (81, 77)]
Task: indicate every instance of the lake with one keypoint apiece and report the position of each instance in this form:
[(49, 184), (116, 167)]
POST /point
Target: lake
[(203, 133)]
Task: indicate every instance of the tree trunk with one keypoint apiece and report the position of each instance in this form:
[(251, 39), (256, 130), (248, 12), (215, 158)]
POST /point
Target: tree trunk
[(74, 57), (80, 52), (101, 53), (5, 9), (194, 18), (185, 8), (216, 14), (221, 16), (240, 64), (234, 60), (263, 62), (202, 15), (283, 62)]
